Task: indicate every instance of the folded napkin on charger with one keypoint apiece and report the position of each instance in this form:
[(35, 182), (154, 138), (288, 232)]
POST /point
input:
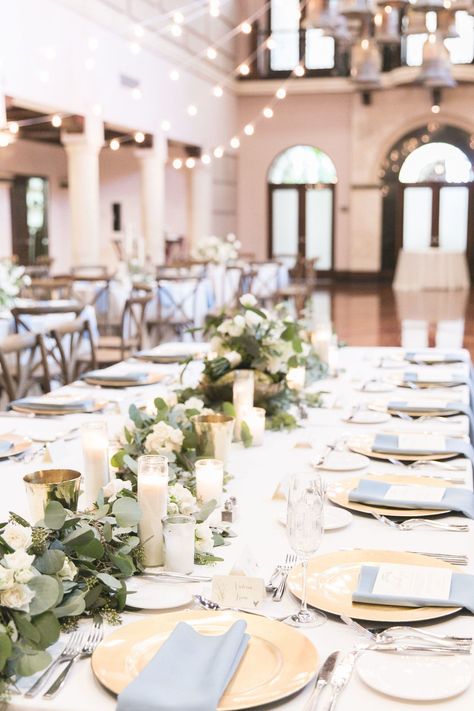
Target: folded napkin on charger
[(190, 671), (38, 403), (135, 376), (433, 406), (414, 586), (5, 446), (451, 379), (419, 357), (413, 496), (421, 445)]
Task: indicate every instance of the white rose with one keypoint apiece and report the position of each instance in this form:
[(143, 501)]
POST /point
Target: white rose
[(252, 318), (204, 541), (6, 578), (17, 597), (69, 570), (248, 300), (17, 536), (236, 326), (194, 403), (114, 487), (164, 438), (184, 499), (18, 560), (24, 575)]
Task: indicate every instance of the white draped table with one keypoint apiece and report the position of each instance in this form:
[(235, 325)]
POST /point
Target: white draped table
[(257, 472), (432, 268)]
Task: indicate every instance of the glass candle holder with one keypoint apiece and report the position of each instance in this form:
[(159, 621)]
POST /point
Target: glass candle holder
[(321, 339), (152, 495), (255, 421), (242, 396), (178, 537), (209, 480), (214, 435), (47, 485), (95, 450)]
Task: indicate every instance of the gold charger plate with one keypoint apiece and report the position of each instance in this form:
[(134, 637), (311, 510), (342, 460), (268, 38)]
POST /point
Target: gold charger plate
[(332, 578), (278, 661), (435, 412), (426, 384), (98, 406), (152, 379), (363, 445), (20, 444), (338, 493)]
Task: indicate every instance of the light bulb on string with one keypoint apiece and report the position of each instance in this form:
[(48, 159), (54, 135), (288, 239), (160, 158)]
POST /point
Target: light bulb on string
[(5, 140), (270, 43), (165, 125), (249, 129), (177, 163), (218, 152), (174, 75), (176, 30), (218, 91), (190, 162), (211, 53), (114, 144), (56, 120), (139, 137), (299, 71), (280, 93), (235, 142), (435, 109), (13, 127), (246, 28), (244, 69), (205, 158), (136, 93), (268, 112)]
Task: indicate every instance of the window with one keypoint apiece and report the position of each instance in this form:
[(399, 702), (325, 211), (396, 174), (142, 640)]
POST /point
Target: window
[(461, 49), (302, 165), (436, 162)]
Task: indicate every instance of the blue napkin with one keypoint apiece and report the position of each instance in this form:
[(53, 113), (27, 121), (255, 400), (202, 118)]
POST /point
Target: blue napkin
[(37, 404), (189, 673), (460, 595), (369, 491), (5, 445), (447, 358), (456, 407), (136, 377), (388, 444), (450, 382)]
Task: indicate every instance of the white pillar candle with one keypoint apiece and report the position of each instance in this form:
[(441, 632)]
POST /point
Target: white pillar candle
[(296, 377), (255, 420), (242, 396), (321, 340), (178, 535), (209, 480), (333, 356), (152, 494), (95, 449)]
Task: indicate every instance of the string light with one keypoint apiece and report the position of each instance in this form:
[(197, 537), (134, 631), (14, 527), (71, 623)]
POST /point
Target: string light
[(246, 28), (5, 139), (114, 144), (165, 125), (280, 93), (178, 17), (235, 142), (218, 91), (299, 71), (139, 137), (13, 127), (177, 163), (270, 43), (97, 109), (218, 152), (56, 120), (268, 112), (205, 158), (176, 30), (244, 69), (190, 162), (249, 129), (174, 75), (211, 53), (435, 109), (134, 48), (192, 110), (138, 31)]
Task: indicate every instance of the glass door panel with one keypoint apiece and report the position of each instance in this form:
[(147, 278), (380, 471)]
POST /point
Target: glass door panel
[(453, 215), (285, 23), (417, 206), (319, 226), (285, 221)]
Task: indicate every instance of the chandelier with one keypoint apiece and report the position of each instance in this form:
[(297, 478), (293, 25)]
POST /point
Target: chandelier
[(369, 25)]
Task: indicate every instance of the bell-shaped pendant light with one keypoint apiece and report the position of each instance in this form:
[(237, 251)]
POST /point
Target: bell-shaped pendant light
[(414, 23), (320, 14), (447, 24), (436, 70), (366, 62)]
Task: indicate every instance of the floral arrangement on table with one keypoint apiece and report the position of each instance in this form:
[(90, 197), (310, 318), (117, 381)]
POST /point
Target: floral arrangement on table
[(215, 249), (12, 279), (167, 430), (270, 344), (67, 566)]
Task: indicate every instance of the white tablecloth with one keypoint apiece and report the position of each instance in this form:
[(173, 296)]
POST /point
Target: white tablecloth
[(257, 471), (431, 269)]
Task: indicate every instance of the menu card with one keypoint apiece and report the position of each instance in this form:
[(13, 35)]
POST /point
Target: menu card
[(413, 581), (428, 494)]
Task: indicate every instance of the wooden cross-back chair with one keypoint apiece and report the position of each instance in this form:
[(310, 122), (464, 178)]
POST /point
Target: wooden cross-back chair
[(112, 349), (23, 365), (176, 303), (75, 349)]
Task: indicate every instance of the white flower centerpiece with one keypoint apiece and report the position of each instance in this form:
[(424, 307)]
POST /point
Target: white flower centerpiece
[(217, 250), (12, 279)]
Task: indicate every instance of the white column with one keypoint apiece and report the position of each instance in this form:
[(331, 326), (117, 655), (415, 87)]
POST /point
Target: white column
[(200, 202), (152, 171), (5, 219), (82, 151)]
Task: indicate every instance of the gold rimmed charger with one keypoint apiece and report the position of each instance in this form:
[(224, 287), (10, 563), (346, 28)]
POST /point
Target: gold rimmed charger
[(416, 411), (428, 384), (97, 406), (19, 443), (278, 662), (363, 445), (152, 379), (333, 578), (338, 493)]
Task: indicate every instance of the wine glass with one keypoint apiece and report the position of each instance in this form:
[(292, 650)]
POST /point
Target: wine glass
[(304, 526)]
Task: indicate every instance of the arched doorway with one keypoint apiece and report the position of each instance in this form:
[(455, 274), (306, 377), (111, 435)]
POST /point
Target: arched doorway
[(301, 182), (428, 193)]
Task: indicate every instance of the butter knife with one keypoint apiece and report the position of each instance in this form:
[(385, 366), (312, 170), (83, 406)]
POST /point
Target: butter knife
[(340, 677), (322, 679)]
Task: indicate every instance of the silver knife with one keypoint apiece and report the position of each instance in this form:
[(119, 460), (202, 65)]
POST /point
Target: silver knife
[(322, 679), (340, 677)]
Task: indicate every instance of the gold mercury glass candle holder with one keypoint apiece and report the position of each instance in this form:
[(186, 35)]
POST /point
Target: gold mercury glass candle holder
[(214, 434), (45, 485)]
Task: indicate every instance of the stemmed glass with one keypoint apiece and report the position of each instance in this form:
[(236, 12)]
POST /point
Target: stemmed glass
[(304, 526)]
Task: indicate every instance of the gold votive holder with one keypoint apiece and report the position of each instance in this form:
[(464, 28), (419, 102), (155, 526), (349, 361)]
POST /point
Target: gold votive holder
[(214, 433), (46, 485)]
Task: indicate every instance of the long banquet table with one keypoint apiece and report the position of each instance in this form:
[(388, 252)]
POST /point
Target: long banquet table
[(261, 541)]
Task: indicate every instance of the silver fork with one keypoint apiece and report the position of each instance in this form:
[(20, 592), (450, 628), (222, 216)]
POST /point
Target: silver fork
[(453, 467), (290, 561), (73, 647), (94, 637), (412, 523)]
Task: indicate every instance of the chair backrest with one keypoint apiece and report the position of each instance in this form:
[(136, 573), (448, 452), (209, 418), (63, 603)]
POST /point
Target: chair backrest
[(235, 284), (21, 357), (177, 299), (133, 322), (94, 271), (28, 317), (266, 278), (50, 288), (74, 349)]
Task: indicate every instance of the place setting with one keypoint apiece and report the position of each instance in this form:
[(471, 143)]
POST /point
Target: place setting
[(57, 404)]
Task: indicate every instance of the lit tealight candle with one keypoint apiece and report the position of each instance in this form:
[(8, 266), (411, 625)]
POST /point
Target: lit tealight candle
[(255, 420), (152, 494), (95, 449), (178, 534), (209, 480), (321, 340), (242, 395), (296, 377)]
